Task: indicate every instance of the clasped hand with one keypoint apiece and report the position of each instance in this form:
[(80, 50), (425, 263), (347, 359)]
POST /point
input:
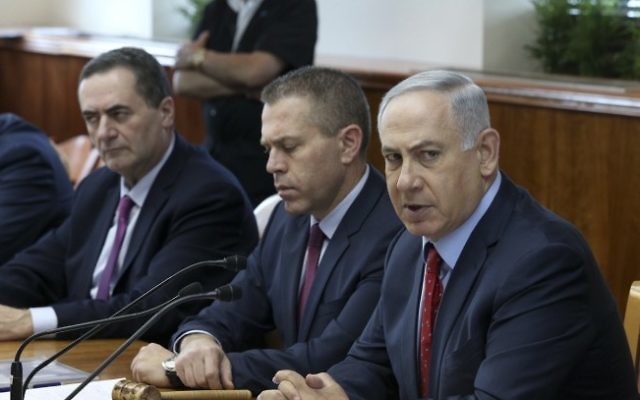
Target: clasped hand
[(201, 364)]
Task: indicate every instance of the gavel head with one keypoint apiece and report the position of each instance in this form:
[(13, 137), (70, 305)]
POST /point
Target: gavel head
[(129, 390)]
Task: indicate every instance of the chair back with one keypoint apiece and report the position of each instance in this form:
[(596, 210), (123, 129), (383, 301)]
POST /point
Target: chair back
[(263, 211), (79, 157), (632, 323)]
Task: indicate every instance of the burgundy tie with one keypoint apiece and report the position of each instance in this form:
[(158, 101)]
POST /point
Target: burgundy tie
[(124, 209), (314, 246), (431, 295)]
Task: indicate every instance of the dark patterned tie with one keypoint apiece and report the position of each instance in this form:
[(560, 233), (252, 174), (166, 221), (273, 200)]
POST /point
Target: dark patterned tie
[(431, 295), (314, 247), (124, 209)]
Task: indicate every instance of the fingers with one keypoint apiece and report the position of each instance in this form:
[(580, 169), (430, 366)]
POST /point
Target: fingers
[(201, 365), (202, 39), (288, 375), (319, 381), (225, 373), (290, 384), (271, 395), (289, 390), (146, 366)]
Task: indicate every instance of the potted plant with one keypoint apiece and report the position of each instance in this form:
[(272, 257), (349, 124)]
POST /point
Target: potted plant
[(587, 37), (193, 11)]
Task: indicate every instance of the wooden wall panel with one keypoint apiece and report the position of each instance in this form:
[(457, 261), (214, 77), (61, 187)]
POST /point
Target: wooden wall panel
[(22, 91), (581, 166), (574, 150)]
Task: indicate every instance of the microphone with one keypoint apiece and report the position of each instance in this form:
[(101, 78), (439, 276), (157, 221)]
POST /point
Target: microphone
[(191, 288), (224, 293), (16, 385), (233, 263)]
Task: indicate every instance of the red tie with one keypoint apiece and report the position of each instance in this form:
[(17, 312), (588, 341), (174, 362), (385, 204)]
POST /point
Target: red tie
[(124, 208), (431, 295), (314, 246)]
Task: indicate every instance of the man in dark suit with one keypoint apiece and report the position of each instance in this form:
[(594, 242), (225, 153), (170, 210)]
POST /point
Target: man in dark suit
[(315, 128), (159, 205), (525, 313), (35, 191)]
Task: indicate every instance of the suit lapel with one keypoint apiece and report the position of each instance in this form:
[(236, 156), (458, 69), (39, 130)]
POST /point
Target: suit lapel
[(336, 247), (294, 246), (159, 194), (461, 285), (98, 235), (409, 350), (350, 225)]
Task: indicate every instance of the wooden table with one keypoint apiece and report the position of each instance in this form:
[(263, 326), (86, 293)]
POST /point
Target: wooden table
[(86, 356)]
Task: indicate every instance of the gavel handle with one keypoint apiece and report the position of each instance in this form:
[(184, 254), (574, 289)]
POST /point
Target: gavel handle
[(206, 395)]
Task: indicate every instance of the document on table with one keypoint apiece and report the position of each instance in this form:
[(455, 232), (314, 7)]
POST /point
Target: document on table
[(56, 373), (96, 390)]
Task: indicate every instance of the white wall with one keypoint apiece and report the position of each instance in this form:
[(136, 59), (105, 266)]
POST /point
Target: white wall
[(21, 13), (168, 23), (474, 34), (509, 25), (107, 17), (432, 31)]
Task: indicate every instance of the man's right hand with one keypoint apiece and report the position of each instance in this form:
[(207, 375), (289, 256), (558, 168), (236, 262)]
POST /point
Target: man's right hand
[(293, 386), (203, 364), (146, 366)]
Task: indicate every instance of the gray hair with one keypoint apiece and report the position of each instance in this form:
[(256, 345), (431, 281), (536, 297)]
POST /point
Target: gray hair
[(470, 110)]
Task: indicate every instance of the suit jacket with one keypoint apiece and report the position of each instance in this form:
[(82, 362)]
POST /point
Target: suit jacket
[(525, 315), (345, 291), (35, 191), (195, 210)]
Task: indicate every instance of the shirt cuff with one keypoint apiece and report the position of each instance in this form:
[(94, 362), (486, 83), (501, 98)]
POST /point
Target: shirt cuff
[(176, 344), (43, 318)]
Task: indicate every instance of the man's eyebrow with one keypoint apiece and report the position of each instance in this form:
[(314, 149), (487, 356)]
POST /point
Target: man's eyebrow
[(117, 107)]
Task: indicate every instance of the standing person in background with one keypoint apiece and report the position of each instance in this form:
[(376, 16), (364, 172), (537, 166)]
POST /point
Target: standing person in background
[(158, 205), (239, 47), (35, 191), (487, 294)]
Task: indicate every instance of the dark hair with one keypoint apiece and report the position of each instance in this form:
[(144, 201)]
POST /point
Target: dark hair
[(152, 83), (337, 100)]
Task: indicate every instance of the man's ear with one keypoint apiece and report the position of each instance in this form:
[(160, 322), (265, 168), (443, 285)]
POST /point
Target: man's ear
[(488, 150), (350, 143), (167, 111)]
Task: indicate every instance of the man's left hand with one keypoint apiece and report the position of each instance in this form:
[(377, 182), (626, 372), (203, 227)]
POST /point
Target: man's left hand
[(15, 323)]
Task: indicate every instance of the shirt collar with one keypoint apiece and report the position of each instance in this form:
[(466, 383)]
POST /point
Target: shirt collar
[(138, 193), (450, 246), (330, 222)]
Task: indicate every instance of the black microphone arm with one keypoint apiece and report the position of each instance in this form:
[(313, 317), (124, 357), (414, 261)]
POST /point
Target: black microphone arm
[(234, 263), (16, 386), (223, 293), (192, 288)]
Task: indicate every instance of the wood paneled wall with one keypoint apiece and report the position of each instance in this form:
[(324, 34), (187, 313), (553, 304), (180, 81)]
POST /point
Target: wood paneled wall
[(573, 147)]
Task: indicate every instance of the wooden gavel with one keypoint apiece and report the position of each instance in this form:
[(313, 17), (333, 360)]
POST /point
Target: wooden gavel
[(129, 390)]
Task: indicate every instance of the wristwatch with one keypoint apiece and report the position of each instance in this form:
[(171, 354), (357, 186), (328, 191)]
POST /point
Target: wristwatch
[(197, 58), (169, 366)]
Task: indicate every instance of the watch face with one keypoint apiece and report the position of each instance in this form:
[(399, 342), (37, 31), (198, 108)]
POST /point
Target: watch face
[(169, 364)]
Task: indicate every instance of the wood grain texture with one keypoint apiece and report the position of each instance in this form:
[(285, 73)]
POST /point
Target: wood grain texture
[(86, 356)]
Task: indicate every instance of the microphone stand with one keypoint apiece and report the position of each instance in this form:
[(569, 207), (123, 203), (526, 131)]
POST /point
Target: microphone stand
[(224, 293), (233, 263), (16, 386), (189, 289)]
